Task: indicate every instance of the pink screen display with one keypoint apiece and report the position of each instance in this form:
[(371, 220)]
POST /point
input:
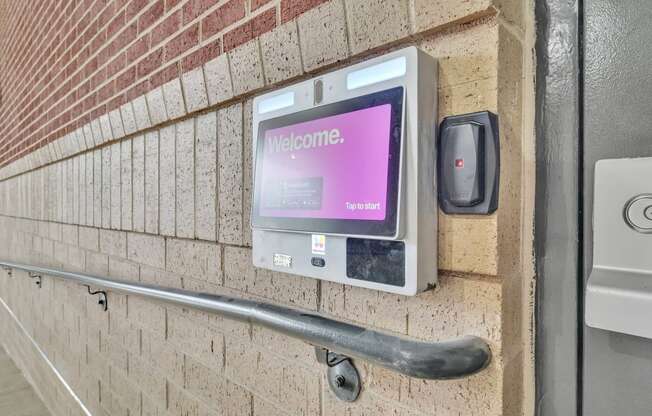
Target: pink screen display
[(333, 167)]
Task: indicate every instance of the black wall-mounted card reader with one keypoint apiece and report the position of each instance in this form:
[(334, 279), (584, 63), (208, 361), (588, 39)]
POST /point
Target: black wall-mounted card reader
[(468, 164)]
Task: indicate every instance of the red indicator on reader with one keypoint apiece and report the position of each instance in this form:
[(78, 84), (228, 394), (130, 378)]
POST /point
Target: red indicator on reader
[(459, 163)]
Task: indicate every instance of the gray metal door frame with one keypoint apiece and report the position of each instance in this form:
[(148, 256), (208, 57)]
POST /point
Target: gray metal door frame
[(558, 212)]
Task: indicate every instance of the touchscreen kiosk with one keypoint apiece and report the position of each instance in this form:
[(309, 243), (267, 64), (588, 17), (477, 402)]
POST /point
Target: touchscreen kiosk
[(344, 175)]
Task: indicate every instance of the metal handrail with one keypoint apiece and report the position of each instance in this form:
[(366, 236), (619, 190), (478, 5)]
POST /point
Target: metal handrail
[(428, 360)]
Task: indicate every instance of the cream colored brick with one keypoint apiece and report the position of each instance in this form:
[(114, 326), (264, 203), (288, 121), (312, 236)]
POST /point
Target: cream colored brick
[(148, 379), (98, 134), (146, 249), (160, 277), (113, 243), (465, 56), (368, 403), (75, 190), (89, 238), (241, 362), (218, 79), (217, 323), (117, 127), (127, 393), (239, 271), (105, 125), (469, 97), (141, 113), (384, 382), (468, 244), (81, 186), (206, 177), (70, 234), (376, 22), (367, 307), (165, 359), (90, 138), (138, 172), (116, 204), (167, 184), (194, 89), (513, 172), (240, 274), (123, 269), (195, 259), (76, 259), (457, 307), (230, 175), (204, 382), (274, 341), (182, 403), (97, 263), (148, 315), (281, 53), (236, 400), (97, 187), (81, 139), (246, 67), (300, 394), (128, 118), (110, 404), (156, 105), (152, 407), (174, 102), (478, 395), (90, 187), (263, 407), (152, 182), (194, 337), (65, 188), (106, 187), (59, 192), (126, 191), (185, 179), (322, 32), (70, 191), (429, 14)]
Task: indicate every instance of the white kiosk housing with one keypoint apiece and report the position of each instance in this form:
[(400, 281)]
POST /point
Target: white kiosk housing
[(344, 175)]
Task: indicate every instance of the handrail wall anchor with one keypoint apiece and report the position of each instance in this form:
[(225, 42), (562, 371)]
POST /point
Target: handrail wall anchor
[(8, 270), (103, 300), (38, 277), (343, 377)]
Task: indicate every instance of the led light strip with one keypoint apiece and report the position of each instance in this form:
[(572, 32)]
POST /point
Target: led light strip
[(374, 74), (276, 102)]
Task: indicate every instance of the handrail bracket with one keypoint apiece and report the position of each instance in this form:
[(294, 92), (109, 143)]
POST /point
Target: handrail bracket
[(38, 277), (103, 301), (343, 377)]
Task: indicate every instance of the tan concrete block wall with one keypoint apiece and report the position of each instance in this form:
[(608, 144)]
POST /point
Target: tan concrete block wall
[(160, 191)]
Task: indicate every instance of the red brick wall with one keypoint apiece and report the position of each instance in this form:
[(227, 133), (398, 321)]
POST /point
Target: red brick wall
[(64, 63)]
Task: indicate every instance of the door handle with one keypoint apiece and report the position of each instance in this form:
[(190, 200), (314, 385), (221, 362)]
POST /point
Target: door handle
[(618, 294)]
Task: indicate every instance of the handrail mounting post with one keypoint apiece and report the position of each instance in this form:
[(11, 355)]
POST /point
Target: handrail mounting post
[(9, 270), (39, 280), (103, 301), (343, 377)]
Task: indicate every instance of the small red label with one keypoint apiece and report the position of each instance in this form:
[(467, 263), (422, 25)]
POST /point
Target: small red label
[(459, 163)]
